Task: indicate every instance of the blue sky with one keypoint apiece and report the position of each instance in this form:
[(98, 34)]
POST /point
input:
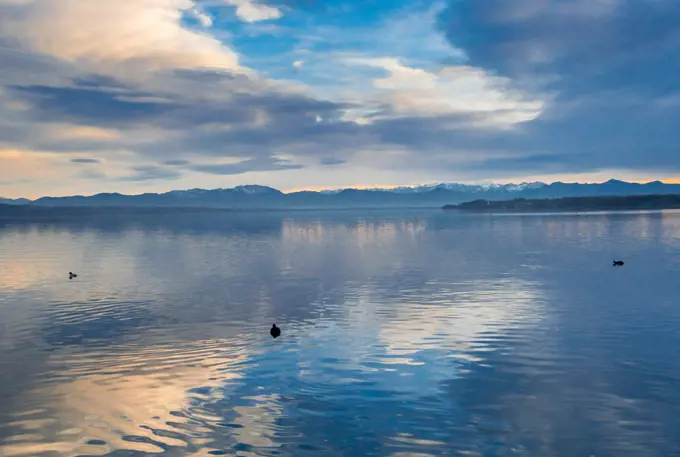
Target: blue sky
[(152, 95)]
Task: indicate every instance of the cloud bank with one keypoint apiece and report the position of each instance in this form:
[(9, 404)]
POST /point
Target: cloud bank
[(137, 95)]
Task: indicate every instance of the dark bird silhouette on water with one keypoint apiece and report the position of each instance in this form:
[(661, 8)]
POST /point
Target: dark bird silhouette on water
[(275, 331), (618, 263), (72, 275)]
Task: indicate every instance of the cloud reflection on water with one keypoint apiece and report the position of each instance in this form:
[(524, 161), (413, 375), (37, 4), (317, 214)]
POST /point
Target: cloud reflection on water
[(415, 334)]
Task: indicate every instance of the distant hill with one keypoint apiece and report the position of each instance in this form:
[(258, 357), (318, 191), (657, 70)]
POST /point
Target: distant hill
[(262, 197), (606, 203), (16, 201)]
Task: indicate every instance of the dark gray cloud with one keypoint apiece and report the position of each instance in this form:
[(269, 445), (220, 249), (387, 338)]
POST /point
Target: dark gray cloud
[(575, 37), (85, 160), (206, 76), (90, 105), (246, 166), (100, 82), (328, 161), (176, 163), (151, 173), (609, 64)]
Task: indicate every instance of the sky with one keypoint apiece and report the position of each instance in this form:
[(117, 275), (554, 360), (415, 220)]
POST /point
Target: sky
[(151, 95)]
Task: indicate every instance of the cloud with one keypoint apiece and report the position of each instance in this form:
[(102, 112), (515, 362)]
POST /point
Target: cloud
[(176, 163), (453, 90), (247, 166), (85, 160), (480, 90), (251, 11), (139, 34), (150, 173), (203, 19), (323, 47), (608, 66), (576, 46), (330, 161), (80, 105), (177, 113)]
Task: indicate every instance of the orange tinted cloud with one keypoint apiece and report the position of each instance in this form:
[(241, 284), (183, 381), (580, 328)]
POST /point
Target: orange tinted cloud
[(82, 132)]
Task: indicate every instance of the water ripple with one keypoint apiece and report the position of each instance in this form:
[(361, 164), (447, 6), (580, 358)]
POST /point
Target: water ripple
[(417, 334)]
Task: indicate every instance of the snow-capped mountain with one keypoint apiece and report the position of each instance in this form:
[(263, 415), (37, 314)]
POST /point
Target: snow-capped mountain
[(256, 190), (245, 190), (455, 187), (430, 195)]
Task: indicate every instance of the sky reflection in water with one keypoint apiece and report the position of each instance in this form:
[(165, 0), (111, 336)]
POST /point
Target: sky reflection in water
[(405, 334)]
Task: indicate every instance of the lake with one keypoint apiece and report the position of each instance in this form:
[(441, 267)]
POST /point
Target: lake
[(405, 334)]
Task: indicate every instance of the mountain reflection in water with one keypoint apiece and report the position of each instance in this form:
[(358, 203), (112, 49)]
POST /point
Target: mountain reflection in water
[(413, 333)]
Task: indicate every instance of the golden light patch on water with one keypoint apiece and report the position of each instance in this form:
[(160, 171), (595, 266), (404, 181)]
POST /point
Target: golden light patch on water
[(33, 449), (111, 398), (19, 274)]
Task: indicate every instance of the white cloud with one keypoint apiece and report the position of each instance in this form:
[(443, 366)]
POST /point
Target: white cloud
[(145, 34), (205, 20), (453, 90), (425, 75), (250, 11)]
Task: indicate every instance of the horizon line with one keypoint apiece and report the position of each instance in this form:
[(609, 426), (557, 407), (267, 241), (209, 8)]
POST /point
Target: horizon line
[(357, 187)]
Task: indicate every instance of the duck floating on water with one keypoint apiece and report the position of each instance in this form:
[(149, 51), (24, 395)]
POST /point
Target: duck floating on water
[(618, 263), (275, 332)]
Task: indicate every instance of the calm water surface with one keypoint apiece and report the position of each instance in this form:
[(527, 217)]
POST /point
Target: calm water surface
[(405, 334)]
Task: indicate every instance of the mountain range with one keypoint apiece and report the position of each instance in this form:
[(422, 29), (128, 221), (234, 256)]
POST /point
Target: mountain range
[(262, 197)]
